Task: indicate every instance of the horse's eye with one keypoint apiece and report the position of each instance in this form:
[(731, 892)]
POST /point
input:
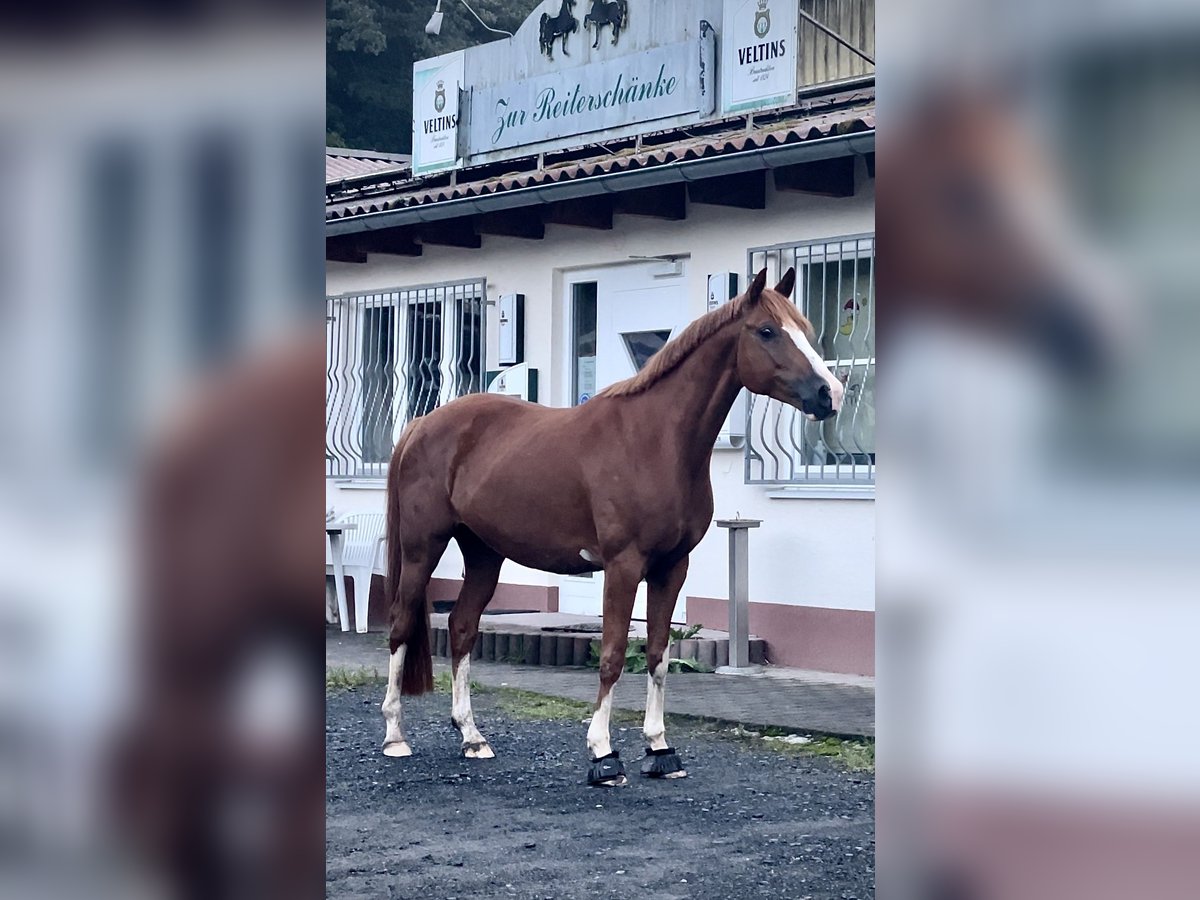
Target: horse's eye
[(766, 332)]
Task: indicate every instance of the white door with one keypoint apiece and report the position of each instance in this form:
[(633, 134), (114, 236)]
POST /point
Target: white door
[(618, 318)]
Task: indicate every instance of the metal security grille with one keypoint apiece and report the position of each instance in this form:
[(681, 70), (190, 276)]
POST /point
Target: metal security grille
[(835, 290), (390, 357)]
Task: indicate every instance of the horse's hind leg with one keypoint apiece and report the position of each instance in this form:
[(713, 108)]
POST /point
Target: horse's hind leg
[(479, 583), (418, 565), (662, 590)]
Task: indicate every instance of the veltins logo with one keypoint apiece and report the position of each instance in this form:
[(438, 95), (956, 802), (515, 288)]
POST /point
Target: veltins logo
[(439, 97), (762, 20)]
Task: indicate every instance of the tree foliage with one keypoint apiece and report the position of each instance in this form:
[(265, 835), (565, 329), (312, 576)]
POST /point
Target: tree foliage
[(370, 49)]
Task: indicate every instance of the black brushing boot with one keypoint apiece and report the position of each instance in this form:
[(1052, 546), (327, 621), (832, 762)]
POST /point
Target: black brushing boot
[(607, 771), (664, 763)]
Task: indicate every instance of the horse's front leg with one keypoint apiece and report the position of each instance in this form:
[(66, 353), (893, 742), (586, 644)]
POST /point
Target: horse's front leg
[(662, 591), (620, 587)]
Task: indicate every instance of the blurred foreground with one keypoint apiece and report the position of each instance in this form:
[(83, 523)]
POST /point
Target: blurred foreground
[(160, 606), (1039, 486), (160, 719)]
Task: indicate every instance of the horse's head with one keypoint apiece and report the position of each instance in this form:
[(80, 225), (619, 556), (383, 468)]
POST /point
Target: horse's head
[(776, 353), (979, 236)]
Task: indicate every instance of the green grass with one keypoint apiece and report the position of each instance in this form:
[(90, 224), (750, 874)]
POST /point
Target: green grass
[(858, 756), (855, 755), (341, 678), (528, 705)]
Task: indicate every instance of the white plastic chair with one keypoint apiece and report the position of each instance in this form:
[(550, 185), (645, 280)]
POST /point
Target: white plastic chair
[(362, 556)]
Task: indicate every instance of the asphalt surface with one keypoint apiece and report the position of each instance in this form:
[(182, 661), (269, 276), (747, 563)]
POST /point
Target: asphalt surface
[(747, 822)]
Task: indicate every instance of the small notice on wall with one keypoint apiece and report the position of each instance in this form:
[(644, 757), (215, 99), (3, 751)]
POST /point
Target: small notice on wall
[(759, 54), (435, 113), (586, 379)]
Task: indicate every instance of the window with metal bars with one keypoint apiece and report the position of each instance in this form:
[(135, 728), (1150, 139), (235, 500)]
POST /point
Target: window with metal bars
[(392, 356), (835, 290)]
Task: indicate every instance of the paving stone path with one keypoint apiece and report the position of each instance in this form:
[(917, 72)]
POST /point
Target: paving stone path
[(844, 710)]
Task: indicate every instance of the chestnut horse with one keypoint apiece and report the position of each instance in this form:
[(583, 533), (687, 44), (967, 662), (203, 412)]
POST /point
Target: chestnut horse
[(619, 484)]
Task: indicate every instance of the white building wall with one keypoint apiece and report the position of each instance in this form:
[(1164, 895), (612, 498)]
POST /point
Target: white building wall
[(809, 551)]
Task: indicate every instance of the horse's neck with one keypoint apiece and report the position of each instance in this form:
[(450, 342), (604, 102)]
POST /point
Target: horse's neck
[(696, 396)]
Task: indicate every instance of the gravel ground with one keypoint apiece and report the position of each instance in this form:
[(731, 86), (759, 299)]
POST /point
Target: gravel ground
[(747, 822)]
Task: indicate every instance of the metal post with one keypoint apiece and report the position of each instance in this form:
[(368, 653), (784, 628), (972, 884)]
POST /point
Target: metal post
[(739, 592)]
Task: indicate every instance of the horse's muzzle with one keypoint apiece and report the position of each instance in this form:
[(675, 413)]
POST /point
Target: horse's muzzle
[(817, 403)]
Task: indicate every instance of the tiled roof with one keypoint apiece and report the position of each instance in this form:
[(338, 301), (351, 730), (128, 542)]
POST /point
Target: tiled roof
[(793, 127), (341, 165)]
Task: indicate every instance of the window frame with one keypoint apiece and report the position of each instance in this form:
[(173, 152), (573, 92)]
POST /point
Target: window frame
[(346, 385), (808, 480)]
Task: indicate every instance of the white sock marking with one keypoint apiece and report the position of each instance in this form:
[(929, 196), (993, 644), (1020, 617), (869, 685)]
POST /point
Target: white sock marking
[(653, 728), (836, 388), (598, 739), (460, 711), (394, 743)]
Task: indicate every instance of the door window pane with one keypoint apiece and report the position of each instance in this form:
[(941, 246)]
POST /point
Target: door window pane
[(644, 344), (583, 341)]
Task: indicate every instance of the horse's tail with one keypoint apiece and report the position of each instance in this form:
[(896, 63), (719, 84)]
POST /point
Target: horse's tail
[(410, 625)]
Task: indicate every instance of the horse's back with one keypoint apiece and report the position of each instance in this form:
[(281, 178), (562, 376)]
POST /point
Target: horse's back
[(450, 433)]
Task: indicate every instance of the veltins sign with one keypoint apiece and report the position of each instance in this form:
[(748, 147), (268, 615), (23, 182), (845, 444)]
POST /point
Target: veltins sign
[(436, 83), (655, 84), (759, 55)]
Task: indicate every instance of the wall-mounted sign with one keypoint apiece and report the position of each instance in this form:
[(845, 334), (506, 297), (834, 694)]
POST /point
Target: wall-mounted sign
[(581, 71), (515, 381), (656, 84), (436, 83), (759, 55)]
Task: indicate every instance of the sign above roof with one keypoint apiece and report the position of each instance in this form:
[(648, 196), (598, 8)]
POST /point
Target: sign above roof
[(758, 67), (587, 71), (604, 96)]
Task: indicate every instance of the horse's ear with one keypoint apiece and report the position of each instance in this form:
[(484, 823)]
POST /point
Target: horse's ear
[(756, 287), (787, 282)]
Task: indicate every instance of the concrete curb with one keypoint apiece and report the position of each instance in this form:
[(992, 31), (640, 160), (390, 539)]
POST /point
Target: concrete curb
[(565, 648)]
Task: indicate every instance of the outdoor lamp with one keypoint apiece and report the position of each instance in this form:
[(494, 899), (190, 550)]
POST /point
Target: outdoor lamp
[(434, 25)]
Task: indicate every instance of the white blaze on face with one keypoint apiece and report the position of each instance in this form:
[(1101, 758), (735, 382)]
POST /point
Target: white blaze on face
[(598, 739), (656, 688), (836, 390)]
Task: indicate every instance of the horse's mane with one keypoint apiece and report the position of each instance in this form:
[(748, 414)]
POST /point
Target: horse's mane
[(676, 351)]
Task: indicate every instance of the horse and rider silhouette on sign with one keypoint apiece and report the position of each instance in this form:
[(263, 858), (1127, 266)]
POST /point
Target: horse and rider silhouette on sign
[(614, 13)]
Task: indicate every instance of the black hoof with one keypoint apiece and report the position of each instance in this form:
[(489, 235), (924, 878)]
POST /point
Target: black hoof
[(663, 763), (607, 771)]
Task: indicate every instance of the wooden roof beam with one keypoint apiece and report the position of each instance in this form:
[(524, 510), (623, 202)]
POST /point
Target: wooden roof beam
[(744, 190)]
